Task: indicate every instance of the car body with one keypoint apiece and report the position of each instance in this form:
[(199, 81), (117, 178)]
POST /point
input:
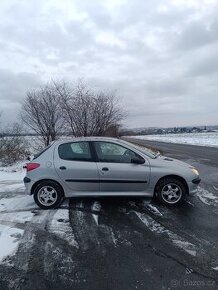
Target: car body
[(101, 166)]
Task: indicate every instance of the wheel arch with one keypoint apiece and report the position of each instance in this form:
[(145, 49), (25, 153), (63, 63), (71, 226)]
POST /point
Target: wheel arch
[(181, 179), (43, 180)]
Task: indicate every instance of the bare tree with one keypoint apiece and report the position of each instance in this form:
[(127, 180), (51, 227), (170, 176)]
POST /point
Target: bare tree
[(41, 111), (56, 107), (13, 146), (90, 113)]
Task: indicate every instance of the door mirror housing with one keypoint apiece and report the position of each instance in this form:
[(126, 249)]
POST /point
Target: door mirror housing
[(137, 160)]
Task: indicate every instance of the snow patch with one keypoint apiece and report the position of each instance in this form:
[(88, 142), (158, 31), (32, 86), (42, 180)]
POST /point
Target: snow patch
[(159, 229), (96, 207), (18, 203), (18, 217), (190, 203), (13, 172), (11, 177), (153, 209), (206, 196), (113, 237), (11, 186), (201, 139), (60, 225), (9, 240)]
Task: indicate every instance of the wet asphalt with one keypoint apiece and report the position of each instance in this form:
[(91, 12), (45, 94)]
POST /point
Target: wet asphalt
[(124, 243)]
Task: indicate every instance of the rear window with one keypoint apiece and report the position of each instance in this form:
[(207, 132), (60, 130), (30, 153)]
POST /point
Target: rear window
[(76, 151)]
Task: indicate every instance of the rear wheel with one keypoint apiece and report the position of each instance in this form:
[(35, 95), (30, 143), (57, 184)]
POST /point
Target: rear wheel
[(48, 194), (171, 191)]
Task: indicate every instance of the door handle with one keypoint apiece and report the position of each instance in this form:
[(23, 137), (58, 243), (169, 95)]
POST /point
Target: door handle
[(62, 168), (105, 169)]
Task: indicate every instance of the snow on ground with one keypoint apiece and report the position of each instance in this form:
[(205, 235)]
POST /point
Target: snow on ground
[(14, 186), (9, 240), (157, 228), (96, 207), (201, 139), (60, 225), (13, 211), (18, 203), (16, 217), (11, 177), (206, 196), (152, 209), (17, 210)]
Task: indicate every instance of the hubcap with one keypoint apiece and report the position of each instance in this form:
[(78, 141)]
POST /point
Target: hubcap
[(47, 195), (171, 193)]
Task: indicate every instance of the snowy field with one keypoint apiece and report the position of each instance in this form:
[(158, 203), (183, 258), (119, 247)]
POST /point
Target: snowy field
[(11, 177), (201, 139)]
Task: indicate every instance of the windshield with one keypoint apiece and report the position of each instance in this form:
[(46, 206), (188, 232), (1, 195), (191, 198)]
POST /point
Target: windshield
[(148, 151)]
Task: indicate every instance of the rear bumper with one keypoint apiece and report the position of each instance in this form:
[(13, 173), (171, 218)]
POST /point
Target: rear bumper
[(26, 180), (28, 185)]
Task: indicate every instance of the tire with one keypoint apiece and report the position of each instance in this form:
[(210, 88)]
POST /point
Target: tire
[(48, 194), (171, 191)]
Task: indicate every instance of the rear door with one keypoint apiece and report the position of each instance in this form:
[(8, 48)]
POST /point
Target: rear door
[(75, 166), (117, 173)]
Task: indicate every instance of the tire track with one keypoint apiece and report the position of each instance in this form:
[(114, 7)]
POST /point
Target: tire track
[(84, 219), (29, 246), (127, 222)]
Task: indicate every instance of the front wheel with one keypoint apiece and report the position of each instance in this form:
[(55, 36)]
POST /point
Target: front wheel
[(48, 194), (171, 191)]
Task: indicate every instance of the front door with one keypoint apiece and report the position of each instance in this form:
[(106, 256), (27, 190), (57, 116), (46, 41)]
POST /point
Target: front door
[(117, 173), (75, 166)]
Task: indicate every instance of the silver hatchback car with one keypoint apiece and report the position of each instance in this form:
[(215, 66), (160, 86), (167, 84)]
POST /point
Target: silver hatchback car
[(100, 166)]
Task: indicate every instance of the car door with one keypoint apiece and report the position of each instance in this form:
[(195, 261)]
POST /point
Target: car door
[(117, 172), (75, 166)]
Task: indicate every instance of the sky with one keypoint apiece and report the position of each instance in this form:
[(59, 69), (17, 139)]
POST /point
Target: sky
[(159, 56)]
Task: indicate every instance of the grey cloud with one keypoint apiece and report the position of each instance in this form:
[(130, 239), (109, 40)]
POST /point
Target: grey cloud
[(194, 36), (163, 65), (13, 89), (205, 62)]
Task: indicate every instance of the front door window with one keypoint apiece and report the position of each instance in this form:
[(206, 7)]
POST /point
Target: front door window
[(114, 153)]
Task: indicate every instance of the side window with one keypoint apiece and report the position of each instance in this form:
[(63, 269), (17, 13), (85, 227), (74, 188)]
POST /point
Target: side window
[(115, 153), (75, 151)]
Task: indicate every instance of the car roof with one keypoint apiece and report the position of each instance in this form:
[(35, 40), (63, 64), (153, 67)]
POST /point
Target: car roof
[(107, 139), (77, 139)]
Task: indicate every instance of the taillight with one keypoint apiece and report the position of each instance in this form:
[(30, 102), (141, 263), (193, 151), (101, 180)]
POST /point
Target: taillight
[(31, 166)]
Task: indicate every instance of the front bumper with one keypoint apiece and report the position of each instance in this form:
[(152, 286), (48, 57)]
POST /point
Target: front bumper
[(193, 185), (196, 180)]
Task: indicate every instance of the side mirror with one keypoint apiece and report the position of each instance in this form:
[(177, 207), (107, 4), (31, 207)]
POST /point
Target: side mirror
[(137, 160)]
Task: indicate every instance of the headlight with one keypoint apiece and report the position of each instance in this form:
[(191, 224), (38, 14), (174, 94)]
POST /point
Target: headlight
[(195, 171)]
